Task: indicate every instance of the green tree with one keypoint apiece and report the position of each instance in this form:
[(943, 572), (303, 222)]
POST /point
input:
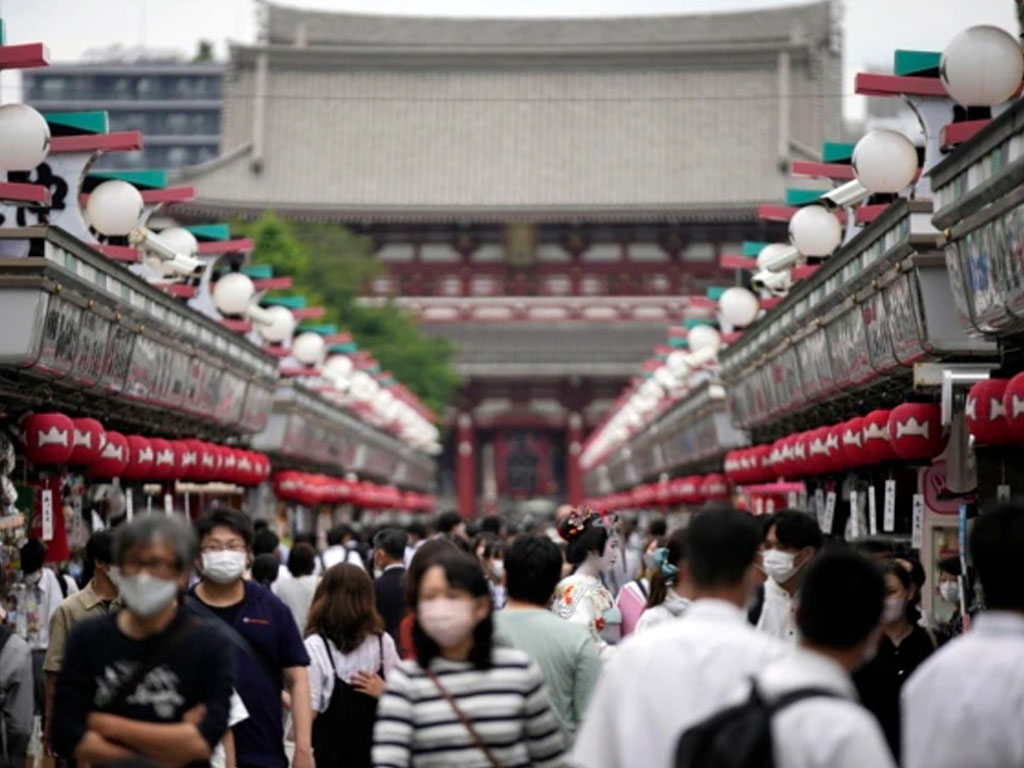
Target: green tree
[(330, 264)]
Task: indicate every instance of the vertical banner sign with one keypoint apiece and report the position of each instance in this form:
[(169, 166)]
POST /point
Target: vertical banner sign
[(889, 519), (917, 530), (168, 504), (188, 512), (819, 505), (770, 506), (759, 505), (962, 543), (149, 503), (129, 505), (46, 497), (801, 502), (791, 499), (855, 532), (830, 511), (872, 512)]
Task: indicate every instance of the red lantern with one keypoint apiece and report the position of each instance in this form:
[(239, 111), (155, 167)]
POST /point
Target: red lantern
[(140, 458), (877, 447), (245, 473), (915, 431), (164, 466), (180, 449), (836, 454), (852, 442), (286, 485), (802, 454), (715, 487), (113, 458), (87, 441), (1013, 404), (49, 438), (732, 465), (818, 459), (761, 471), (688, 491), (229, 464), (188, 459), (986, 416), (209, 462)]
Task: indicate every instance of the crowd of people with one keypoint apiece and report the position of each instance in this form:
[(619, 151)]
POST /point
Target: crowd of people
[(731, 640)]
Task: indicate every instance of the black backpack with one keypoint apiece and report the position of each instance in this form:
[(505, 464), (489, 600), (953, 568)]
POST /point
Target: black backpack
[(740, 736)]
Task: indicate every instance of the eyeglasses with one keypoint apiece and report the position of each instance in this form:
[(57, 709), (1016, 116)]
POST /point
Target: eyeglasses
[(157, 566), (218, 547)]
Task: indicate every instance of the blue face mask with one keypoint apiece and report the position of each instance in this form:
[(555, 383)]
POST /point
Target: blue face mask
[(75, 570)]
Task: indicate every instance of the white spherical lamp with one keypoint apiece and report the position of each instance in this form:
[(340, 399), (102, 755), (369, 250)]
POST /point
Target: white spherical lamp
[(114, 208), (232, 293), (307, 347), (665, 378), (885, 161), (769, 253), (180, 240), (678, 364), (738, 306), (280, 327), (338, 367), (364, 386), (815, 231), (982, 66), (24, 138), (703, 337)]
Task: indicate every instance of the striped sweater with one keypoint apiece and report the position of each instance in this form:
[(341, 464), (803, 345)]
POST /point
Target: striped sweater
[(507, 704)]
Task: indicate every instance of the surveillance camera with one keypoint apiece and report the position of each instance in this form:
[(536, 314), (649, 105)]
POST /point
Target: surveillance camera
[(153, 246), (845, 195), (780, 259), (776, 283)]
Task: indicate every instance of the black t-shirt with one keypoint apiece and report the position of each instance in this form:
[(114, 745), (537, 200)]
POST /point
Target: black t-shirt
[(880, 680), (197, 669), (227, 613)]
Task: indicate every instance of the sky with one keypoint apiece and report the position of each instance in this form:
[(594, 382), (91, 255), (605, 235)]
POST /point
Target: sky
[(872, 28)]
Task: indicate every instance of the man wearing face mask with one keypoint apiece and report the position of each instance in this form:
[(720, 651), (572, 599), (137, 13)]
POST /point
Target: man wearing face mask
[(268, 648), (792, 541), (97, 598), (42, 597), (389, 586), (149, 684)]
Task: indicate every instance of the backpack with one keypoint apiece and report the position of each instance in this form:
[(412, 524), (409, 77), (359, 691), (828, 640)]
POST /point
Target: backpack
[(739, 736)]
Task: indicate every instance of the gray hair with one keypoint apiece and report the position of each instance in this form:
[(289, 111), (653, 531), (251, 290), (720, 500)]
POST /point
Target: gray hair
[(151, 528)]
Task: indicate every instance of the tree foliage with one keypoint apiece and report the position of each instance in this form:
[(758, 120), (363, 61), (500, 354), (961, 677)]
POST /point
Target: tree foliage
[(329, 264)]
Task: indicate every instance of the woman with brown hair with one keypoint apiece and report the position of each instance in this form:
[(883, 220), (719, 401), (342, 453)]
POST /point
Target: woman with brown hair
[(350, 655)]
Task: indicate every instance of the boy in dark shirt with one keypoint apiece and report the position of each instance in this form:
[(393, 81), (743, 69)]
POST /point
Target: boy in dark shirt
[(151, 683)]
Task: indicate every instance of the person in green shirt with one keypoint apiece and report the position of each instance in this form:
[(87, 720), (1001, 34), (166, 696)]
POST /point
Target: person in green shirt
[(563, 650)]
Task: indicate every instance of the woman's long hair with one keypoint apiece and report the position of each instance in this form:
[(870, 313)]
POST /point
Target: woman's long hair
[(344, 608), (462, 572), (676, 547)]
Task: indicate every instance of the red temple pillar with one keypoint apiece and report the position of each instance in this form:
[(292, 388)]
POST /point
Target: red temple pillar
[(573, 472), (465, 466)]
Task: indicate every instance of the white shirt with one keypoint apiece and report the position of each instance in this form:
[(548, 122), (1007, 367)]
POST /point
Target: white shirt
[(778, 616), (41, 600), (297, 594), (673, 608), (661, 682), (963, 706), (365, 658), (339, 553), (821, 732), (236, 714)]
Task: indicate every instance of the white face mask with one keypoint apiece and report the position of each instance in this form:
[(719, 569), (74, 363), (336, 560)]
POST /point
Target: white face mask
[(223, 567), (950, 591), (893, 610), (34, 578), (446, 621), (779, 565), (146, 595), (498, 569)]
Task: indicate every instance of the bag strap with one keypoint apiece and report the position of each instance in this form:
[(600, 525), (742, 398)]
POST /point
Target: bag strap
[(380, 647), (237, 638), (641, 587), (330, 656), (480, 743), (792, 697), (156, 657)]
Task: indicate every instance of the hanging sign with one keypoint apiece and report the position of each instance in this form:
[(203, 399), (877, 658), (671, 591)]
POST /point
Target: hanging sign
[(872, 512), (889, 518), (46, 497), (917, 529)]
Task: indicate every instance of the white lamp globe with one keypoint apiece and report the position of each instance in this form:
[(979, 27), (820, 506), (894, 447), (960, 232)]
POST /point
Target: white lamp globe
[(24, 138), (180, 240), (738, 306), (677, 363), (232, 293), (280, 327), (815, 231), (338, 367), (307, 347), (363, 386), (769, 252), (114, 208), (885, 161), (982, 66), (651, 389), (703, 337), (665, 378)]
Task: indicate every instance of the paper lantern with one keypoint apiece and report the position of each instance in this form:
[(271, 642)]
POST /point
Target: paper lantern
[(87, 441), (180, 449), (688, 491), (1013, 405), (986, 415), (801, 454), (140, 458), (112, 460), (885, 161), (762, 471), (49, 438), (982, 66), (715, 487), (164, 467), (245, 468), (228, 464), (188, 459), (875, 433), (733, 466), (852, 442), (834, 444), (915, 431), (818, 458)]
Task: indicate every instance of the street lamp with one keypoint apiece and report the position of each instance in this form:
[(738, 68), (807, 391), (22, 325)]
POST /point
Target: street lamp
[(738, 306), (24, 138), (308, 347), (982, 67), (814, 231), (114, 208)]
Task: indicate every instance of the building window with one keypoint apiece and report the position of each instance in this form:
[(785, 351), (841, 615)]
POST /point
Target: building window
[(593, 285)]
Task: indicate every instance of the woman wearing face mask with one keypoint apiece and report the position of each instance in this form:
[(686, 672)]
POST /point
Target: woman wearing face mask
[(904, 645), (350, 655), (491, 556), (462, 701), (581, 597), (632, 598), (670, 589)]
